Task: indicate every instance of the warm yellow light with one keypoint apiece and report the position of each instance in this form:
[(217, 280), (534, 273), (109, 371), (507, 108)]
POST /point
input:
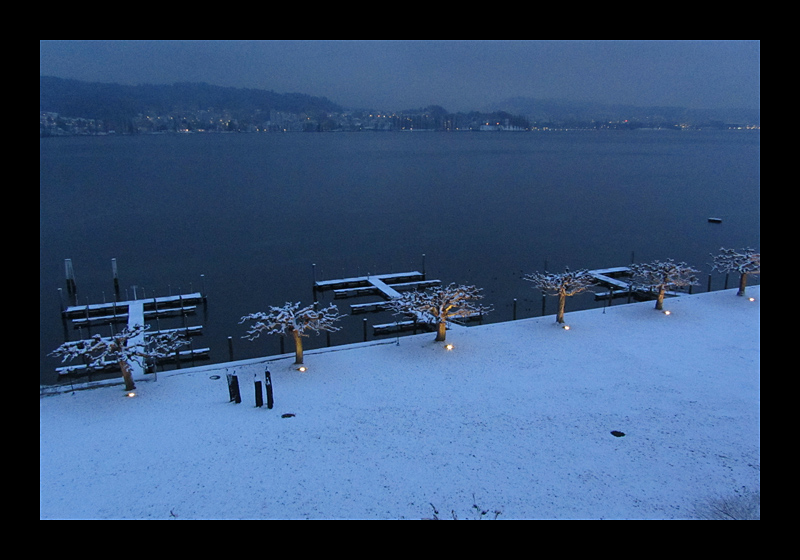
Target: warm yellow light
[(752, 299), (565, 327), (667, 312), (131, 394), (449, 347), (301, 368)]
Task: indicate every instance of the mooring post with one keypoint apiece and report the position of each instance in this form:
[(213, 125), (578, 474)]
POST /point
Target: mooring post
[(515, 310), (365, 329), (72, 289), (230, 348), (709, 282), (115, 275)]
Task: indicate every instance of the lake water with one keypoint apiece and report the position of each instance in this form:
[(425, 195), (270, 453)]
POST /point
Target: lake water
[(246, 215)]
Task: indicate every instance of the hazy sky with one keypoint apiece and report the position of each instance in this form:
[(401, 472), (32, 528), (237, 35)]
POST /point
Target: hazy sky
[(460, 75)]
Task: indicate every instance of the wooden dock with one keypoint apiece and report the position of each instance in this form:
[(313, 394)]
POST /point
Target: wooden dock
[(118, 311), (617, 281), (386, 286), (135, 312)]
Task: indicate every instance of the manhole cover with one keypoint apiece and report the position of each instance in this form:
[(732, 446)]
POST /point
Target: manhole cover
[(617, 433)]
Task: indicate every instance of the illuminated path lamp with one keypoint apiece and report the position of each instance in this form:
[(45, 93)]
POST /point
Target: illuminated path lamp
[(449, 347)]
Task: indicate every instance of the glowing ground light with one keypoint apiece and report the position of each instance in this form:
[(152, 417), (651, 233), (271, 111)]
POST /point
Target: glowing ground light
[(666, 312), (752, 299), (449, 347), (565, 327), (131, 394), (302, 368)]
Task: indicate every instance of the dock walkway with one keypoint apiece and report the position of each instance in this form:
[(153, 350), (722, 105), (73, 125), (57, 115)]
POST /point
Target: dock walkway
[(617, 280), (118, 311)]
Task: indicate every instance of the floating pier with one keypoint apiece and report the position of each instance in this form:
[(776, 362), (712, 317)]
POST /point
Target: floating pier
[(118, 311), (387, 286), (617, 280), (134, 312)]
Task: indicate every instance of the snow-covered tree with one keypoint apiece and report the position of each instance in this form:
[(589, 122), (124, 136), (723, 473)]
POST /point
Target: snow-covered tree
[(744, 262), (293, 319), (439, 305), (663, 276), (132, 344), (563, 285)]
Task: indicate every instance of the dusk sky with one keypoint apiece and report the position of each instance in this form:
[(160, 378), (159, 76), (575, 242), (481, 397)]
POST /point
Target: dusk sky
[(460, 75)]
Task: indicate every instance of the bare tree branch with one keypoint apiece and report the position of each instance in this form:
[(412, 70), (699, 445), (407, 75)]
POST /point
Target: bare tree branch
[(441, 304)]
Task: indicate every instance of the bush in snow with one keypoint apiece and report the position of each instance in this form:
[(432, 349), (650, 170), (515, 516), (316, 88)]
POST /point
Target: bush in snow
[(744, 262), (439, 305), (663, 276), (563, 285), (293, 319), (132, 344)]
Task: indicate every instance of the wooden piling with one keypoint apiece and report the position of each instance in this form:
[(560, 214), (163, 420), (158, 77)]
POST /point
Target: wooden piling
[(115, 276), (72, 289)]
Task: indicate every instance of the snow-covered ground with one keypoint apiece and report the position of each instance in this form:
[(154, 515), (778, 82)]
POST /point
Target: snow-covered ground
[(517, 418)]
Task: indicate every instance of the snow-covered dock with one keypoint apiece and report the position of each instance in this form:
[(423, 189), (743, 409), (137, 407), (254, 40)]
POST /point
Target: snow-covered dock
[(387, 286), (617, 281), (117, 311)]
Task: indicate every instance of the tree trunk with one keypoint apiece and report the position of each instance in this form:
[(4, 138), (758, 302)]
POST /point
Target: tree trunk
[(127, 375), (562, 299), (441, 331), (660, 298), (298, 348), (742, 284)]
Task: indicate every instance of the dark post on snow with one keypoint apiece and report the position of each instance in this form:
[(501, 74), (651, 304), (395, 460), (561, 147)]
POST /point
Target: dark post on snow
[(259, 395), (268, 383), (233, 389)]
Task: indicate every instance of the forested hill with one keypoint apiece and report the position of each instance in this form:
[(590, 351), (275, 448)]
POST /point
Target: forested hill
[(115, 103)]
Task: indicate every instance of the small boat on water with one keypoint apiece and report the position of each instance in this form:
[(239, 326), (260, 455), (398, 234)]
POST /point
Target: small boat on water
[(715, 220)]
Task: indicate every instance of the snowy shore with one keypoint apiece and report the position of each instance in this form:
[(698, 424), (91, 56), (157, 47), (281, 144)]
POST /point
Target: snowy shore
[(517, 418)]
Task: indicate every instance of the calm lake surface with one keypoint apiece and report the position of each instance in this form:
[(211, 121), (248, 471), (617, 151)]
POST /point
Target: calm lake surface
[(245, 216)]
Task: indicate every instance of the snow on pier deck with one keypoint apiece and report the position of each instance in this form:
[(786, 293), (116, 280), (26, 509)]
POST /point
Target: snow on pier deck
[(118, 311), (616, 279), (387, 286)]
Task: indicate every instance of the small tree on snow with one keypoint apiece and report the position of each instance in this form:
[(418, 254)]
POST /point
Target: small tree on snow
[(563, 285), (744, 262), (131, 344), (293, 320), (440, 305), (663, 276)]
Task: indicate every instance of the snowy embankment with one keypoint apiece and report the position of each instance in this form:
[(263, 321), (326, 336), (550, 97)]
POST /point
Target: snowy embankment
[(519, 415)]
